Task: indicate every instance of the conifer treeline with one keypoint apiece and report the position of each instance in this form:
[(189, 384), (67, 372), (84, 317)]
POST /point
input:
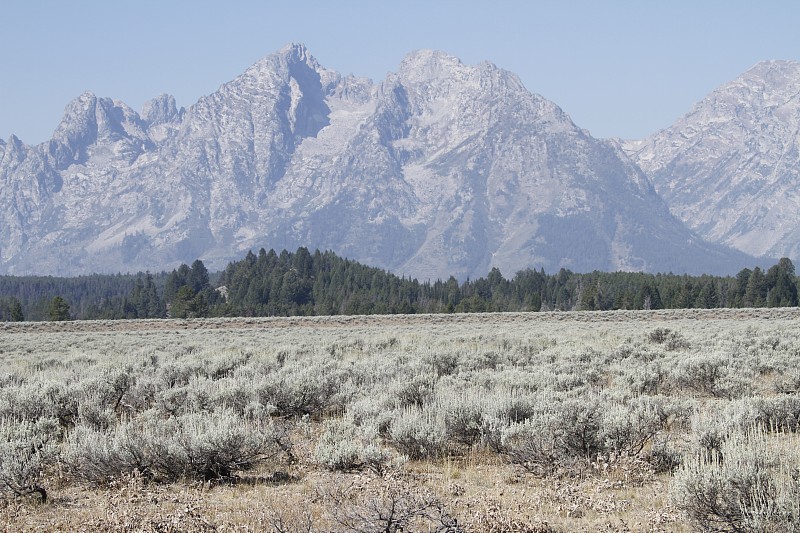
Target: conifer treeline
[(321, 283), (97, 296)]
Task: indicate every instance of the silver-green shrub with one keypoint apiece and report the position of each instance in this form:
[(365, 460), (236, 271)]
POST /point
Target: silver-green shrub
[(301, 388), (415, 391), (219, 445), (343, 446), (26, 449), (711, 375), (419, 433), (206, 446), (627, 428), (532, 445), (751, 485)]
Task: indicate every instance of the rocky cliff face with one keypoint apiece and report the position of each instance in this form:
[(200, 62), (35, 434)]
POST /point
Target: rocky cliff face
[(442, 168), (730, 168)]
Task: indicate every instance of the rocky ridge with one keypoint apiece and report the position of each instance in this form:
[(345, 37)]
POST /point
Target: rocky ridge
[(730, 168)]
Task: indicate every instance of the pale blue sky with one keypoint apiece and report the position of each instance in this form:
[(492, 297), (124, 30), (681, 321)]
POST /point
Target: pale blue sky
[(618, 68)]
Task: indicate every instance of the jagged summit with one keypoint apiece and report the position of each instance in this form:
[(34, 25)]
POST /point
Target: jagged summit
[(429, 66), (441, 168), (297, 52), (284, 62), (90, 122), (425, 65), (161, 110)]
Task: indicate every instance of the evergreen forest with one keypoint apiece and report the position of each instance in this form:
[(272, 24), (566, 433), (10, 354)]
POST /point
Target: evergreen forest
[(321, 283)]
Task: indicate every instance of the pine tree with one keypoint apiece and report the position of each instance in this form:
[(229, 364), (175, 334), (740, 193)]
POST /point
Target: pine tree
[(58, 309), (782, 285), (183, 304), (756, 292), (741, 286), (197, 277), (16, 313)]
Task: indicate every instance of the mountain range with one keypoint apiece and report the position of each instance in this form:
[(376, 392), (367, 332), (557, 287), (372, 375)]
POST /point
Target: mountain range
[(440, 169)]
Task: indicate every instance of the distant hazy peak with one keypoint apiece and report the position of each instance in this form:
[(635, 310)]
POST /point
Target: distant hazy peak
[(160, 110), (14, 141), (774, 67), (764, 85), (88, 120), (728, 168), (427, 64), (297, 52), (291, 61), (13, 149), (282, 60)]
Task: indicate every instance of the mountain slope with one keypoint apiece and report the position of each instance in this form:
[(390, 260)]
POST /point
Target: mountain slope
[(443, 168), (730, 168)]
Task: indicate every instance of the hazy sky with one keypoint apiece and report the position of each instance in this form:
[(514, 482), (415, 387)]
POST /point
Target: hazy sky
[(618, 68)]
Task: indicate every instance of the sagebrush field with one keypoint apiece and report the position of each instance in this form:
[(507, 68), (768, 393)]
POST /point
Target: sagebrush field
[(520, 422)]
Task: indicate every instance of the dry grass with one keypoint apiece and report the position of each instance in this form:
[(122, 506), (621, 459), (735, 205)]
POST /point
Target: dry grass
[(593, 317), (483, 496)]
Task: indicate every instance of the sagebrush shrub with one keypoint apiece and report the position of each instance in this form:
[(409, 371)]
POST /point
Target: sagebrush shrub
[(710, 375), (563, 433), (207, 446), (109, 388), (778, 414), (751, 485), (532, 445), (628, 428), (464, 418), (301, 389), (419, 433), (645, 378), (343, 446), (581, 424), (95, 415), (219, 445), (26, 449), (392, 506), (659, 335), (443, 363), (416, 391)]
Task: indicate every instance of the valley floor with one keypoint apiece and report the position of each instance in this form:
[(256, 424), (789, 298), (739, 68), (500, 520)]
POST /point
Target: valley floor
[(529, 422)]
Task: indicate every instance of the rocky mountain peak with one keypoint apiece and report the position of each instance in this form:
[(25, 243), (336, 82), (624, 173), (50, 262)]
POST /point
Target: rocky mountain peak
[(426, 65), (298, 53), (161, 110), (290, 61), (774, 77), (13, 152), (77, 129), (248, 130), (13, 142), (89, 121), (730, 167), (766, 88)]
